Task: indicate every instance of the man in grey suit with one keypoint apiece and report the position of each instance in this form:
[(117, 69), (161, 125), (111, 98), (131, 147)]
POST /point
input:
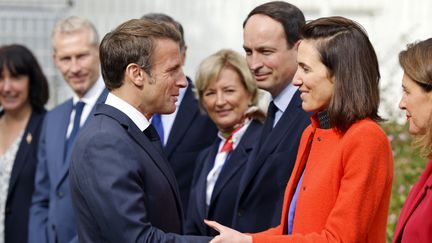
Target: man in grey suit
[(75, 46), (123, 189)]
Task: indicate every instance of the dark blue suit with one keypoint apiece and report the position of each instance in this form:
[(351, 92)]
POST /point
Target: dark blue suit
[(261, 190), (51, 214), (123, 189), (21, 183), (191, 132), (225, 192)]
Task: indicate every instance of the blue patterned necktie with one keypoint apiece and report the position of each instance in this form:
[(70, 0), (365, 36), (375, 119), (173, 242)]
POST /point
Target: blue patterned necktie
[(79, 106), (157, 123)]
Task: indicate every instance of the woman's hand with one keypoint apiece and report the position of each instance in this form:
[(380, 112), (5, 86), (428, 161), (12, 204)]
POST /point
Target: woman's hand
[(227, 234)]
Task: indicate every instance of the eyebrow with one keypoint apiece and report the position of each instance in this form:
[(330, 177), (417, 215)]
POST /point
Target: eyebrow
[(302, 64)]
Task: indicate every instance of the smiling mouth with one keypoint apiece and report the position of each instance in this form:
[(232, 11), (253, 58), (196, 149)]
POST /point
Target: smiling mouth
[(261, 77), (9, 98), (223, 112)]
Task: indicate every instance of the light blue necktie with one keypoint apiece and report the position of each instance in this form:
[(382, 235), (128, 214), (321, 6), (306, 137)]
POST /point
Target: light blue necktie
[(157, 123), (79, 106)]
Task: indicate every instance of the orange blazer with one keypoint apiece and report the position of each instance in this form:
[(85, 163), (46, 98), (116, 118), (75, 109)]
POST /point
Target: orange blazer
[(345, 192)]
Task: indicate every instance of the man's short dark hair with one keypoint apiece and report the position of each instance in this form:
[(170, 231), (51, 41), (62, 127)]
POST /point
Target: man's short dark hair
[(131, 42), (291, 18)]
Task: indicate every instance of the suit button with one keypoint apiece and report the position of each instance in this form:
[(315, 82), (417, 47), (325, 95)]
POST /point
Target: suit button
[(240, 213), (7, 210), (60, 194), (53, 227)]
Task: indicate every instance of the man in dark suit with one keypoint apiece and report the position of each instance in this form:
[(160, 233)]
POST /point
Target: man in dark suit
[(271, 37), (183, 129), (123, 189), (75, 45)]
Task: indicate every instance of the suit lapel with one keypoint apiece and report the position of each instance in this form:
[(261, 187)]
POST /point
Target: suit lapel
[(58, 128), (201, 190), (284, 125), (238, 157), (24, 149), (65, 164), (186, 113), (147, 146)]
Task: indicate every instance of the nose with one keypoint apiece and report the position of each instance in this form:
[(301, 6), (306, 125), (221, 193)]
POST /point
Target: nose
[(297, 81), (254, 61), (6, 84), (181, 81), (74, 66), (402, 104), (220, 99)]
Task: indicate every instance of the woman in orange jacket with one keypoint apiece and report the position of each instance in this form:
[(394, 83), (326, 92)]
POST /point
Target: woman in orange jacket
[(415, 221), (339, 190)]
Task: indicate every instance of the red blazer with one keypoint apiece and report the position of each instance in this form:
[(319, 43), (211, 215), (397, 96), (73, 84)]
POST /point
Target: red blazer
[(415, 220), (345, 192)]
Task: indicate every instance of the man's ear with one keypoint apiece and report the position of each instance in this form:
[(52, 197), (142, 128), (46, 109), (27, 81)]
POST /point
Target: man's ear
[(135, 74)]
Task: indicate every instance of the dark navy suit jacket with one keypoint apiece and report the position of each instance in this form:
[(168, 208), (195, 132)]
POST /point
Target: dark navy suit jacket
[(51, 213), (123, 189), (225, 192), (21, 183), (261, 190), (192, 131)]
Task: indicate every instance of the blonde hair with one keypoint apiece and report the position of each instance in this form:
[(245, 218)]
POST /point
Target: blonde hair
[(211, 67), (74, 24)]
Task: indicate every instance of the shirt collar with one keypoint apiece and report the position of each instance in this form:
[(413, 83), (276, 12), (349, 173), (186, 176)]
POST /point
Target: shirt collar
[(284, 98), (92, 94), (136, 116)]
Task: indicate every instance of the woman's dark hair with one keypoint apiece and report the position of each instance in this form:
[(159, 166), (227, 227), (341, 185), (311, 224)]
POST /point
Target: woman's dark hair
[(350, 58), (19, 60)]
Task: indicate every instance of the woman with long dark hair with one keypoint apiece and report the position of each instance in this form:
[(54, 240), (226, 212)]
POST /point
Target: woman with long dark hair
[(23, 94)]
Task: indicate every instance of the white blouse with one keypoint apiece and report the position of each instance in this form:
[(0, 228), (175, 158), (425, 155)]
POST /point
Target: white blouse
[(6, 164)]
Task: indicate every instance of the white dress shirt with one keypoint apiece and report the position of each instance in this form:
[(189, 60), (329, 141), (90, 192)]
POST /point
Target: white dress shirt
[(89, 99), (220, 160)]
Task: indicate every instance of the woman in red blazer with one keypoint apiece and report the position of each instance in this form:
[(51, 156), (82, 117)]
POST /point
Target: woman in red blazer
[(340, 187), (415, 220)]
